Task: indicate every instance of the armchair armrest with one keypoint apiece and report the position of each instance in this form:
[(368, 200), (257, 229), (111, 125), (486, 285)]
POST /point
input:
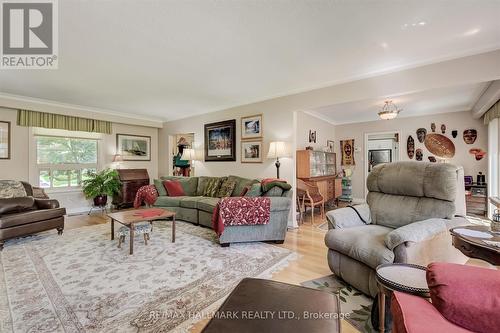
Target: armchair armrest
[(346, 217), (46, 203), (415, 232)]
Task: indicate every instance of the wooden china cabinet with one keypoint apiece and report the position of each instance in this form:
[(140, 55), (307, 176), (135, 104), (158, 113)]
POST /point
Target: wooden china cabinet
[(320, 169)]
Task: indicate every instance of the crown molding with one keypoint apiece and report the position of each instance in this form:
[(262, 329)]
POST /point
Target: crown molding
[(320, 116), (44, 105)]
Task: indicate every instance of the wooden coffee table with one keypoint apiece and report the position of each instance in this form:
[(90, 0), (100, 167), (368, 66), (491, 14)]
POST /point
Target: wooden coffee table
[(470, 240), (129, 217)]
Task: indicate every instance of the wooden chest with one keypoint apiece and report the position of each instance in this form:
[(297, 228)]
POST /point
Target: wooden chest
[(132, 180)]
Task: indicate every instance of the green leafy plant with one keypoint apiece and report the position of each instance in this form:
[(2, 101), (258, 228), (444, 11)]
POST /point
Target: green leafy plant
[(105, 182)]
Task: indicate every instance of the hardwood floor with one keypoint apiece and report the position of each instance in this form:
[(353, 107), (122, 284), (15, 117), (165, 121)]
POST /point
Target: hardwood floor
[(307, 241)]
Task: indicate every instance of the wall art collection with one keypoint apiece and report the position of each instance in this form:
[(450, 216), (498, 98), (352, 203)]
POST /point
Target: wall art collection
[(439, 145)]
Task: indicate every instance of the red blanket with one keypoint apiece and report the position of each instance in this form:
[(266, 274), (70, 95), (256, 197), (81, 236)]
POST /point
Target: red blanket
[(241, 211), (147, 194)]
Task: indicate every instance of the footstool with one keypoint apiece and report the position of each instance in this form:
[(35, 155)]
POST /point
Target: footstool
[(139, 229), (257, 305)]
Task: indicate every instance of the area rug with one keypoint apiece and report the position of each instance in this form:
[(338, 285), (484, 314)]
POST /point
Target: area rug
[(82, 282), (352, 302)]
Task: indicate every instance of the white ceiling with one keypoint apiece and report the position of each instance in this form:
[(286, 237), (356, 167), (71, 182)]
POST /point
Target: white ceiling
[(450, 99), (172, 59)]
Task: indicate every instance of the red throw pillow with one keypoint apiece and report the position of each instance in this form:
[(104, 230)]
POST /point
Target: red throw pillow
[(467, 296), (174, 188), (244, 191)]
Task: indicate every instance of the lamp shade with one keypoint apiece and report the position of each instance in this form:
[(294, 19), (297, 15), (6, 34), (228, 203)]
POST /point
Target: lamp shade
[(277, 149), (117, 158), (188, 154)]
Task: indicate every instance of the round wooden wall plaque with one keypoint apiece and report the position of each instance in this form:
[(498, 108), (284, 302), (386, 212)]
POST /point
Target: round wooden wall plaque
[(439, 145)]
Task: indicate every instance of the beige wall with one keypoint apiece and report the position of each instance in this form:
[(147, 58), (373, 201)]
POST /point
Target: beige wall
[(324, 131), (453, 121), (277, 126), (22, 156)]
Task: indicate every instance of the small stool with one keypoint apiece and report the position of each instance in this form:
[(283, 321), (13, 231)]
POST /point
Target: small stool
[(139, 229)]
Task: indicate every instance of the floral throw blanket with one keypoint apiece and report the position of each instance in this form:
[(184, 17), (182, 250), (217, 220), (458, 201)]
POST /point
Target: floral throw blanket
[(233, 211), (147, 194)]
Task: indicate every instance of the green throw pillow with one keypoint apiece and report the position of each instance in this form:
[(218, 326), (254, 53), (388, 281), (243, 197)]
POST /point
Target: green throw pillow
[(211, 188), (254, 191), (226, 188), (160, 188)]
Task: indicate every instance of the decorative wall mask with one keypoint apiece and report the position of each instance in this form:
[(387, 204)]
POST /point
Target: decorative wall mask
[(478, 153), (470, 136), (312, 136), (433, 127), (454, 133), (432, 159), (421, 132), (439, 145), (443, 128), (419, 155), (410, 147)]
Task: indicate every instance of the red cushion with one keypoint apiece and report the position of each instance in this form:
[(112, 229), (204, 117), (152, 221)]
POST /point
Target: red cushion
[(466, 295), (413, 314), (174, 188), (244, 191)]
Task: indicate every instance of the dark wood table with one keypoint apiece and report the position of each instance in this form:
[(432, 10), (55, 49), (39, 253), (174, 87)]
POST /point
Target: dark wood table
[(130, 217), (475, 247)]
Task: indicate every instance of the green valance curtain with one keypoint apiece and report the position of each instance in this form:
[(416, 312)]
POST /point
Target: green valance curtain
[(70, 123), (492, 113)]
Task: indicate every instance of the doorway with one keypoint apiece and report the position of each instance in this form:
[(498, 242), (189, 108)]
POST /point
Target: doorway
[(381, 147)]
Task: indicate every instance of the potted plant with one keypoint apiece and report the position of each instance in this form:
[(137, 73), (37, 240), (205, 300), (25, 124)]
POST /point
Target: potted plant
[(99, 185)]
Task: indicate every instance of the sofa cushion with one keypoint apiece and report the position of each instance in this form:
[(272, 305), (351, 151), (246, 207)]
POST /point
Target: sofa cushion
[(208, 204), (16, 219), (226, 188), (189, 184), (166, 201), (202, 183), (190, 202), (365, 244), (254, 191), (397, 210), (212, 187), (416, 179), (159, 187), (465, 295), (240, 184), (174, 188), (11, 205), (274, 192)]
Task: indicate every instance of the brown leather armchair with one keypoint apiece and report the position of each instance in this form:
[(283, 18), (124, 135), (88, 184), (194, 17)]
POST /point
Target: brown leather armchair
[(27, 215)]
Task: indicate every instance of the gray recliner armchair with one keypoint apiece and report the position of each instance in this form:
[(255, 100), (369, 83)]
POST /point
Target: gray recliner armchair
[(410, 208)]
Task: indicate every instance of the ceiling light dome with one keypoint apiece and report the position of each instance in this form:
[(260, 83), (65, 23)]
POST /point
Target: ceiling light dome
[(389, 111)]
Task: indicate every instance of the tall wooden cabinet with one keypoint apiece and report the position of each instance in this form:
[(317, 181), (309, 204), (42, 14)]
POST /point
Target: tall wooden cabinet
[(320, 168)]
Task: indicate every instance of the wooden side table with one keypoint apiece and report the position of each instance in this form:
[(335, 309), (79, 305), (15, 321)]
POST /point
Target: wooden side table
[(407, 278)]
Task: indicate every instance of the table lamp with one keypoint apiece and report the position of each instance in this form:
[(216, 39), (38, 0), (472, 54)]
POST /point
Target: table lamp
[(188, 154), (277, 149)]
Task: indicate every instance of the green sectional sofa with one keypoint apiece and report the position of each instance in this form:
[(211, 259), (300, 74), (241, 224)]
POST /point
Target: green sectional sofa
[(198, 209)]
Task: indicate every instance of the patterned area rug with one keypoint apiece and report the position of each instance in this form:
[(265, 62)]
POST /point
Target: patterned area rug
[(352, 301), (81, 281)]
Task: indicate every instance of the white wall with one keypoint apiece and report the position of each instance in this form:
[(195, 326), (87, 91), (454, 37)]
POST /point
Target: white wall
[(408, 126), (324, 131), (21, 164)]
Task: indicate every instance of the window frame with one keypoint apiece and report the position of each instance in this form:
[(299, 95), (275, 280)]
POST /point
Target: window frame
[(79, 167)]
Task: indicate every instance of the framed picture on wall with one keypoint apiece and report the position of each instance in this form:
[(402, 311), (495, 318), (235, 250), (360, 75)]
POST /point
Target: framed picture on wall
[(220, 141), (251, 151), (133, 147), (251, 127), (4, 140), (330, 145)]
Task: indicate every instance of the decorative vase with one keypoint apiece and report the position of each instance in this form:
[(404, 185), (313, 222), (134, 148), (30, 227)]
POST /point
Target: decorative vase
[(101, 200)]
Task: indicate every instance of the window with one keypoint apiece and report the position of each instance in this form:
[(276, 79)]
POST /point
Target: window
[(64, 162)]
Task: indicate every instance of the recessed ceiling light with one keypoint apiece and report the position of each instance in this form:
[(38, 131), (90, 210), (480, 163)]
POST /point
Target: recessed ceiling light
[(471, 32), (384, 45), (422, 23)]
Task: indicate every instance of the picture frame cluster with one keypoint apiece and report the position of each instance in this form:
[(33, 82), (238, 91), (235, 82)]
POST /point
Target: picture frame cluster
[(251, 138)]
